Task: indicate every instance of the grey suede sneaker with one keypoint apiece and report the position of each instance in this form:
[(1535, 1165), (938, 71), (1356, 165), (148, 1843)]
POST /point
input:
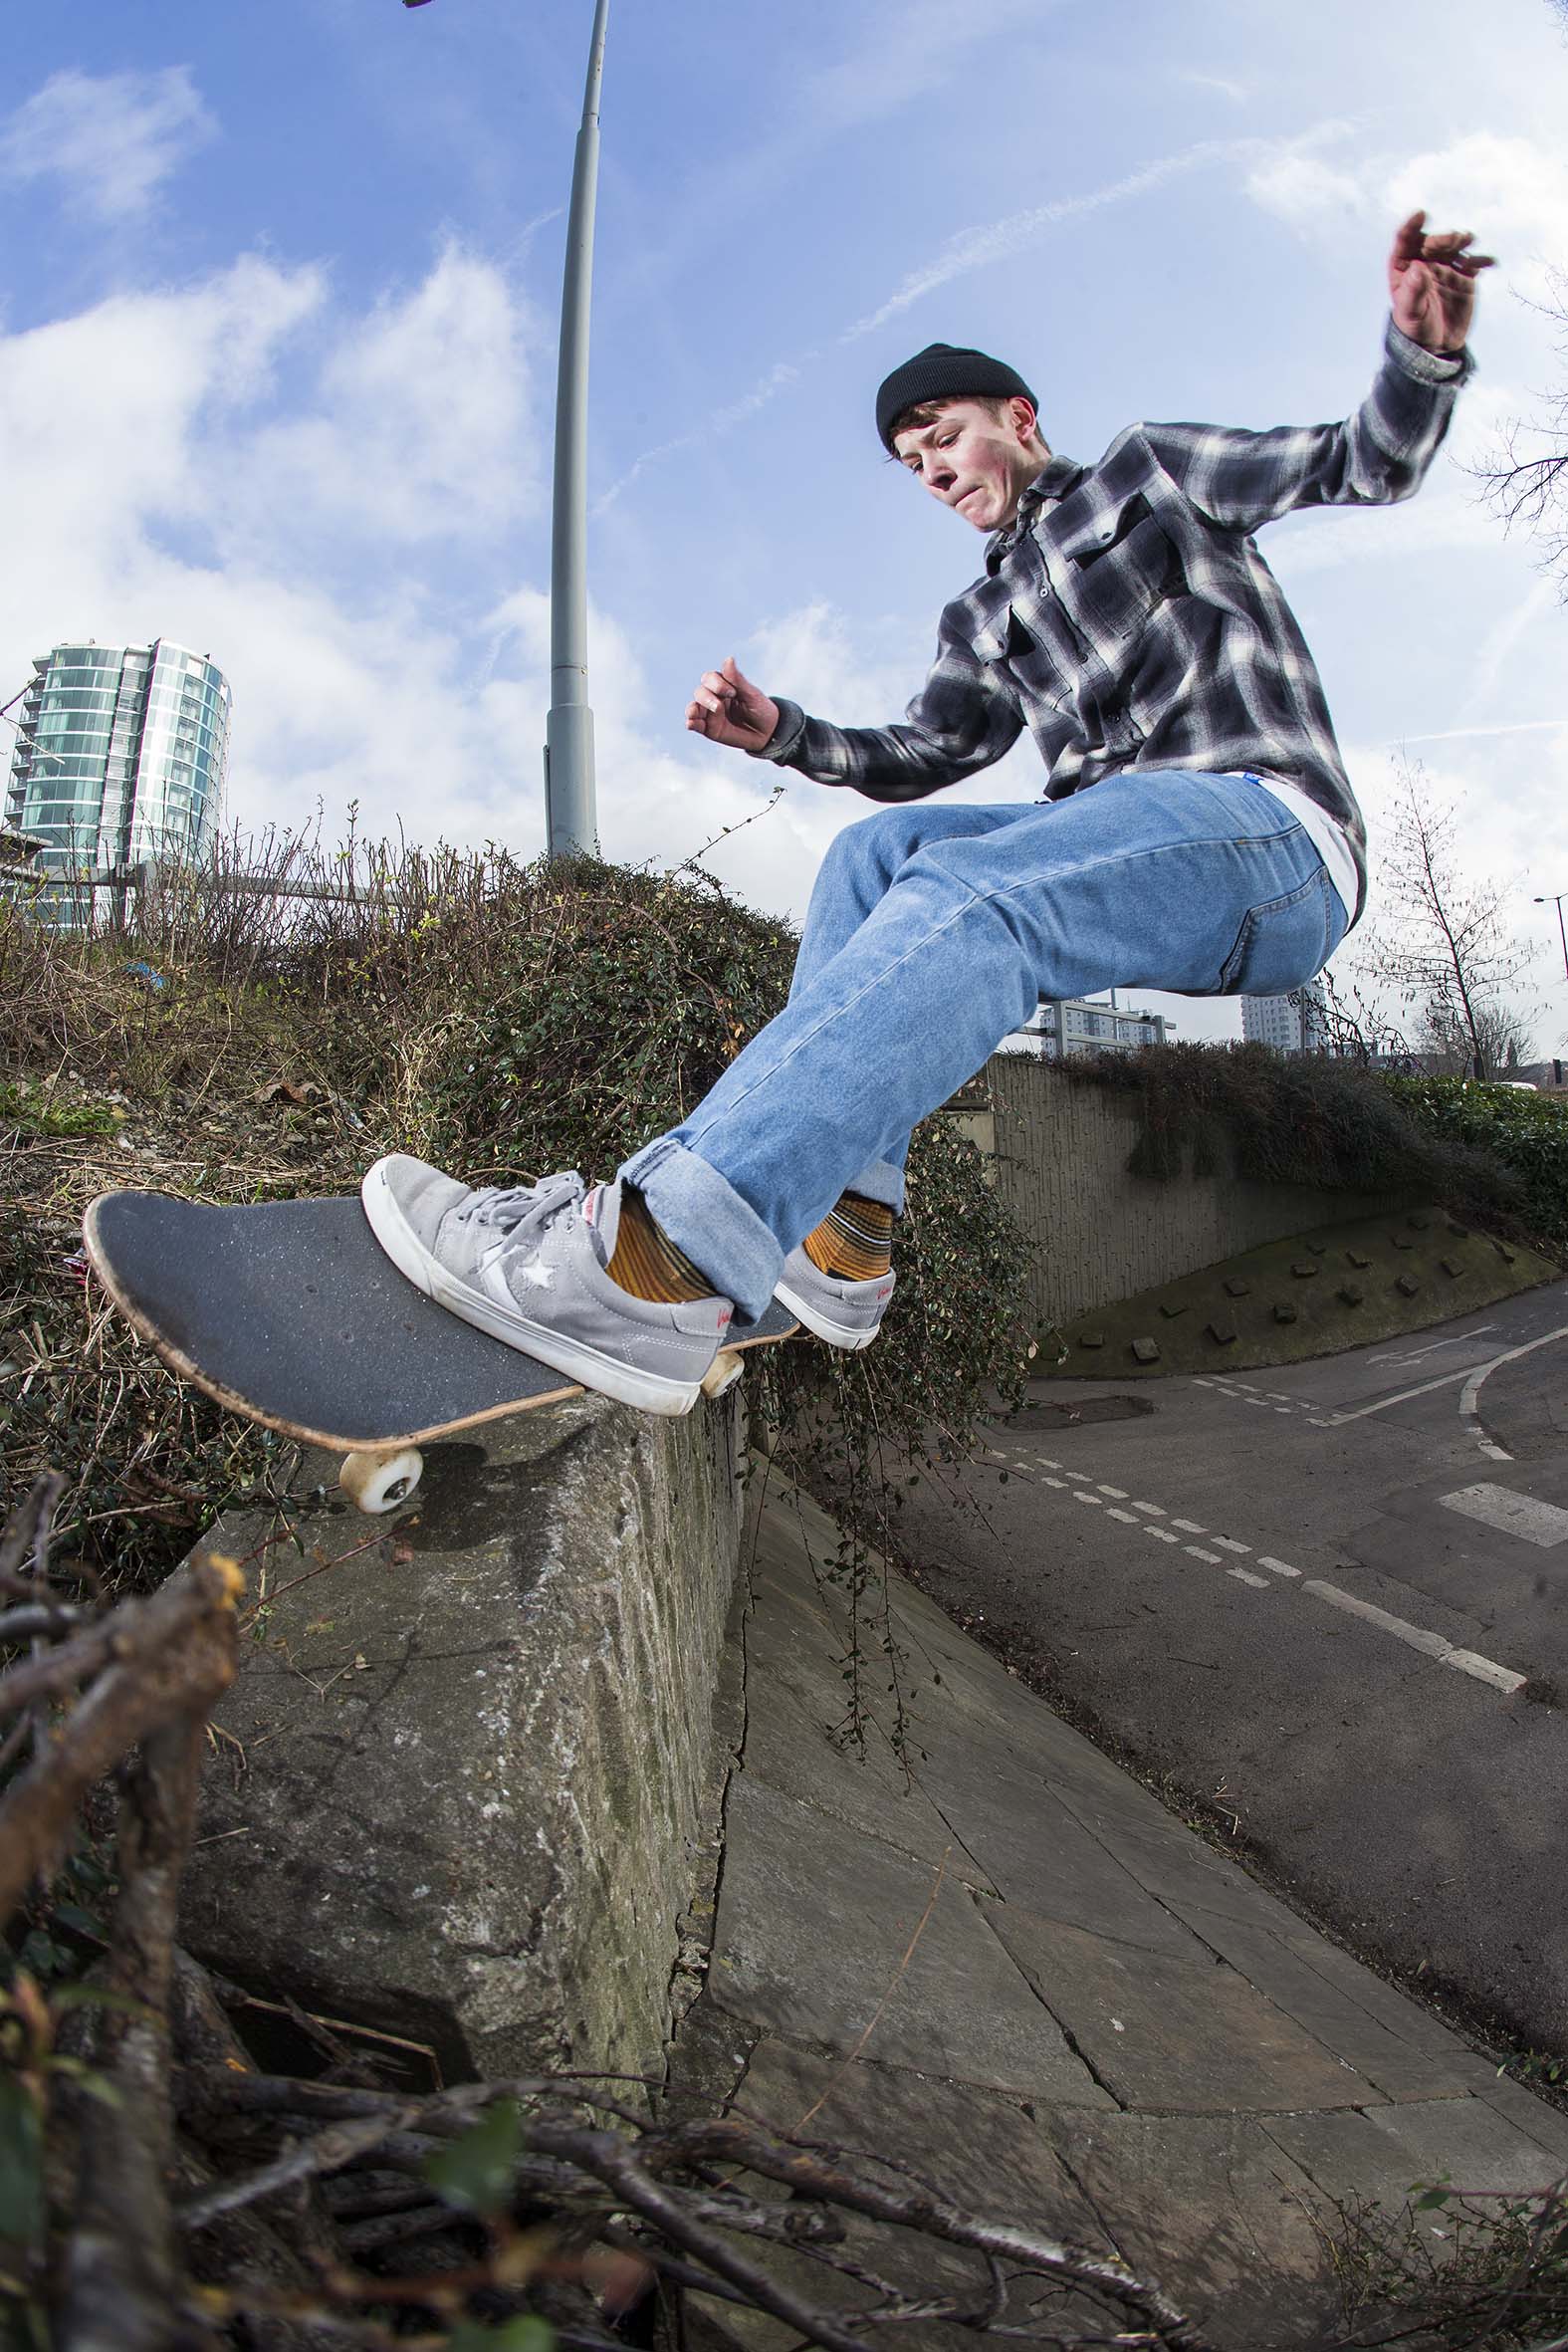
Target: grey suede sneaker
[(526, 1265), (845, 1313)]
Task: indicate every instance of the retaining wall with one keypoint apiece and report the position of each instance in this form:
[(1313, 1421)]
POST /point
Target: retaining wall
[(1096, 1234), (460, 1784)]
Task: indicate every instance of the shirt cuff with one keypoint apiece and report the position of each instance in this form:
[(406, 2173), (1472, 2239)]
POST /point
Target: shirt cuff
[(786, 737), (1427, 366)]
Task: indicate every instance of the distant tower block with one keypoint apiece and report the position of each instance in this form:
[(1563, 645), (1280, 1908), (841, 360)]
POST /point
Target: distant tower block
[(120, 755)]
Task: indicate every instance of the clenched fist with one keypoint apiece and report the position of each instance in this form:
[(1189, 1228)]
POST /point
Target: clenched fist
[(728, 708)]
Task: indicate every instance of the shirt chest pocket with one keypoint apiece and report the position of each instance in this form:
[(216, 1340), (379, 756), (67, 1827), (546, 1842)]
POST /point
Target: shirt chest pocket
[(1113, 573)]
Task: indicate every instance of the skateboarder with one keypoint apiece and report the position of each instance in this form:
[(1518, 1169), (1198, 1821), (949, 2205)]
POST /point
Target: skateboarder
[(1198, 833)]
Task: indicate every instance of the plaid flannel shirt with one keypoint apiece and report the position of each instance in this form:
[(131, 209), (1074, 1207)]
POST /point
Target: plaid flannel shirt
[(1127, 620)]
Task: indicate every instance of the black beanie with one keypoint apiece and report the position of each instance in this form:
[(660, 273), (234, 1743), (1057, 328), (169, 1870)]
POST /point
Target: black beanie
[(944, 371)]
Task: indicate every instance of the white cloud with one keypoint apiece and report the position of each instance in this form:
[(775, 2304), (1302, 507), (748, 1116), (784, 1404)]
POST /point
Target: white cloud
[(109, 139), (421, 426)]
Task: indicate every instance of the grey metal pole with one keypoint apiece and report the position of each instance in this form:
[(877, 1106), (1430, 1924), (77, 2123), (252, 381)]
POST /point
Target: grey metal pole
[(571, 821)]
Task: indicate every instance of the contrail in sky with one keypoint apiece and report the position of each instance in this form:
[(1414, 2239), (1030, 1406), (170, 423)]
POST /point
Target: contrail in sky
[(973, 249)]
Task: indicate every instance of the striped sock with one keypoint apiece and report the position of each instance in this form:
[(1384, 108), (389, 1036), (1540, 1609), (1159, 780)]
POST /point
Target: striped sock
[(854, 1240), (646, 1262)]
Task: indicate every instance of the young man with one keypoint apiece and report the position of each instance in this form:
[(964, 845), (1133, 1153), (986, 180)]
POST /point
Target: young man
[(1198, 833)]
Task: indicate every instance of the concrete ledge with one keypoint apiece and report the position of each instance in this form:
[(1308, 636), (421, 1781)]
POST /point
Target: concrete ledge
[(461, 1779)]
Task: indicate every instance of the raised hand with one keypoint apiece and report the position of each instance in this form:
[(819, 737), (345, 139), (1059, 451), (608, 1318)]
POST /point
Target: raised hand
[(728, 708), (1432, 283)]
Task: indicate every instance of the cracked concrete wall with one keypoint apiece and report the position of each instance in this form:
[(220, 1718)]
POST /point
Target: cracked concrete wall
[(460, 1783), (1098, 1234)]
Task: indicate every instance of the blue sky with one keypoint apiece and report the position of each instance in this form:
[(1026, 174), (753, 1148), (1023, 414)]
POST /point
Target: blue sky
[(277, 368)]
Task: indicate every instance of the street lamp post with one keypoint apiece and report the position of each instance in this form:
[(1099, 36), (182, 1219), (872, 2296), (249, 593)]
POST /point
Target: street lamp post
[(570, 823), (1557, 900)]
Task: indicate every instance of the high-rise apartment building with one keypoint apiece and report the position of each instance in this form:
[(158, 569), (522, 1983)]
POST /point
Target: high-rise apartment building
[(120, 753), (1296, 1024)]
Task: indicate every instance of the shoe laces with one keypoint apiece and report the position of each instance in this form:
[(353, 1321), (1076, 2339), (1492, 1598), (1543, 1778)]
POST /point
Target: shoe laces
[(521, 1212)]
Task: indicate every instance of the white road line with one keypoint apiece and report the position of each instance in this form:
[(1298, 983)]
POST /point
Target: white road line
[(1045, 1461), (1155, 1510), (1502, 1678), (1189, 1527), (1116, 1494), (1282, 1568), (1198, 1553), (1447, 1380), (1061, 1484), (1326, 1420), (1164, 1534), (1248, 1577), (1229, 1544), (1469, 1410), (1077, 1474), (1127, 1518), (1084, 1495), (1416, 1637), (1515, 1514)]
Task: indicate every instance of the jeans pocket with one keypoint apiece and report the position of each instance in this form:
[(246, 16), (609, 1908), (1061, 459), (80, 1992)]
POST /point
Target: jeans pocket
[(1285, 942)]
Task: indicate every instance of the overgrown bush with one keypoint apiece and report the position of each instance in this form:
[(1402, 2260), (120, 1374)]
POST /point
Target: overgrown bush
[(1526, 1132), (501, 1019)]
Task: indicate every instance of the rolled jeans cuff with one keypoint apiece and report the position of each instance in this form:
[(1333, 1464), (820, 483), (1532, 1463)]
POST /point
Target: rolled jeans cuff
[(708, 1223), (881, 1181)]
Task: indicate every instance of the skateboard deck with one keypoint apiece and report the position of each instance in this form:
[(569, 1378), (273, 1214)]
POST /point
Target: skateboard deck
[(290, 1313)]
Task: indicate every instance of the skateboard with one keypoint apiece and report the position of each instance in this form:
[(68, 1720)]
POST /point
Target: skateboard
[(290, 1313)]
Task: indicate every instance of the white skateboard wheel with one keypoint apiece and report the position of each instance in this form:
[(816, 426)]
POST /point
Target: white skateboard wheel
[(379, 1481), (723, 1373)]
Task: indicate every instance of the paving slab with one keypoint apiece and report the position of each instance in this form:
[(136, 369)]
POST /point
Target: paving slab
[(796, 1703), (1214, 2209), (1384, 2152), (1403, 2051), (1166, 2032), (814, 1918)]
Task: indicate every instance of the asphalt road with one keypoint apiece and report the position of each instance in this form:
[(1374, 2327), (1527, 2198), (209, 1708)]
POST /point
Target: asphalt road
[(1332, 1602)]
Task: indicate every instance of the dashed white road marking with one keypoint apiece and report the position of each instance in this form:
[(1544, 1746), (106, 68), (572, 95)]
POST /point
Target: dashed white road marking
[(1519, 1514), (1515, 1514)]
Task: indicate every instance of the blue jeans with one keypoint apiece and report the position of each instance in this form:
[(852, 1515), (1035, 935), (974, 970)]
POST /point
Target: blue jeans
[(933, 932)]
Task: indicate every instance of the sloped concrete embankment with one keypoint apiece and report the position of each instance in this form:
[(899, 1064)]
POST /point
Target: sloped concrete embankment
[(459, 1785), (974, 1944)]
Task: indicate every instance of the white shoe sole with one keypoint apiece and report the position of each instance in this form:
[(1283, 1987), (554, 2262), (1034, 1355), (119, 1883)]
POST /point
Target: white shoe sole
[(823, 1326), (629, 1384)]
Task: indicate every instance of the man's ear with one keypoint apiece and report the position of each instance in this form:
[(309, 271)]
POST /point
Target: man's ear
[(1025, 422)]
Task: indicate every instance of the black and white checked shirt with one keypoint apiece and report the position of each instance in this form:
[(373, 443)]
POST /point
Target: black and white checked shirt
[(1127, 620)]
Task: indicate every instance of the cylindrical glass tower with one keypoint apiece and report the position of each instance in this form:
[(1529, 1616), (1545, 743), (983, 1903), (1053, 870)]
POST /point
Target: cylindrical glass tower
[(121, 754)]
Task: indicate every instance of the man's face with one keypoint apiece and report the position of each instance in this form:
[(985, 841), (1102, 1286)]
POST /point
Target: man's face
[(974, 460)]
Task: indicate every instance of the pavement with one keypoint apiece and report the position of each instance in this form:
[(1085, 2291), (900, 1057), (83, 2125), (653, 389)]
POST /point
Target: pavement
[(1327, 1604), (975, 1941)]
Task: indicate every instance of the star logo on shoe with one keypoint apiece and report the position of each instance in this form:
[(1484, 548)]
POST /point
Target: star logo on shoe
[(538, 1278)]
